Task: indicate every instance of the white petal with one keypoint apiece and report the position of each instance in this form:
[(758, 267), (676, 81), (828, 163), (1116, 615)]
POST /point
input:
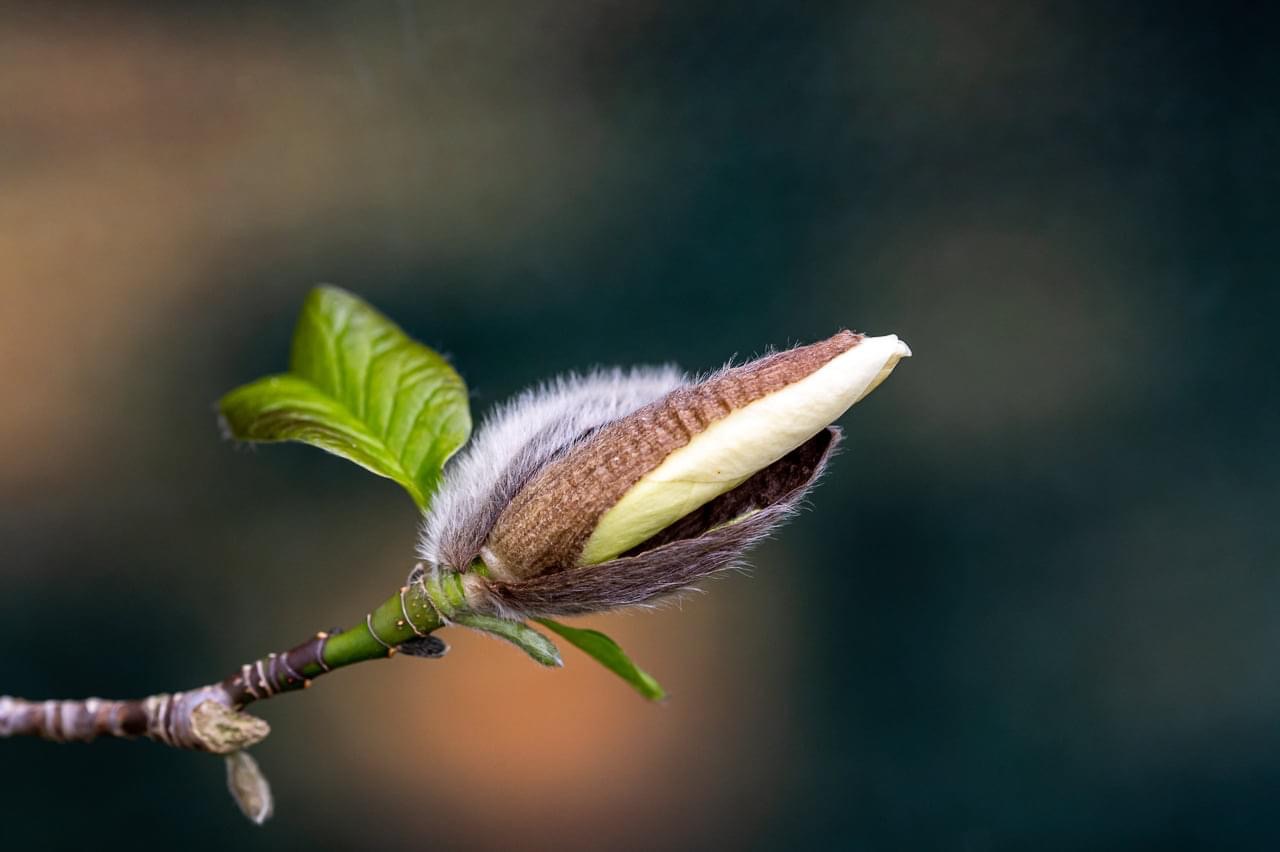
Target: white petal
[(729, 451)]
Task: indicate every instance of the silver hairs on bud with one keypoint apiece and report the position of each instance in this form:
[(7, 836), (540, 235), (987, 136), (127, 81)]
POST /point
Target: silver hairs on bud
[(617, 488), (706, 542), (519, 439)]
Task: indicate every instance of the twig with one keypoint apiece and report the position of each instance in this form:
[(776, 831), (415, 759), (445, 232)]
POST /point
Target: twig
[(209, 718)]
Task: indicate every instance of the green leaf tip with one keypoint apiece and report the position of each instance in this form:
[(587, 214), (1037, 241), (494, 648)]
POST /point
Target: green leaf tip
[(360, 388), (538, 647), (607, 652)]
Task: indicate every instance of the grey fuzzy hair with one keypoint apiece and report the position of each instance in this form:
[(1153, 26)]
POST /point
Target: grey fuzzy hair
[(517, 440), (638, 580), (669, 568)]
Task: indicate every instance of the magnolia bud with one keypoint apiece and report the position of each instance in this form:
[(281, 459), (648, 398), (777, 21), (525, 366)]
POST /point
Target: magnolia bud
[(650, 489), (643, 472)]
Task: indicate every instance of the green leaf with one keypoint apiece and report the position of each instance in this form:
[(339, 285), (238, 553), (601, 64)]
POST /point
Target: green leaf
[(524, 637), (360, 388), (608, 654)]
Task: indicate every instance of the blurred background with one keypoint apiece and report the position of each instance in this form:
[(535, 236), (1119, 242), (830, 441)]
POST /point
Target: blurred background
[(1034, 603)]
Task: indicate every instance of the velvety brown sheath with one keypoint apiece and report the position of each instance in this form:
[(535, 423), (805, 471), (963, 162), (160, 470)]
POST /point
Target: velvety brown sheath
[(545, 527), (709, 540)]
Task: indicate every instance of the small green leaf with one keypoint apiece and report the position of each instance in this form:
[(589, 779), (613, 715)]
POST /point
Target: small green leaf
[(524, 637), (360, 388), (608, 654)]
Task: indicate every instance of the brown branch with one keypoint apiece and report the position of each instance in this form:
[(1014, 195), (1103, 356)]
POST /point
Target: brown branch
[(204, 719), (209, 718)]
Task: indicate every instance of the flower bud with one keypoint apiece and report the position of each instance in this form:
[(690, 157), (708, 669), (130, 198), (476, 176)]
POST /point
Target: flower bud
[(643, 472), (616, 488)]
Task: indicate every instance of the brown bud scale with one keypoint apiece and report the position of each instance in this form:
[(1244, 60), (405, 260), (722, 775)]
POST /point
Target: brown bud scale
[(705, 542), (546, 526)]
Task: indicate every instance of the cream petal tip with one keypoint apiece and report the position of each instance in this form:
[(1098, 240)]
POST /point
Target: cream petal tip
[(881, 354), (897, 346)]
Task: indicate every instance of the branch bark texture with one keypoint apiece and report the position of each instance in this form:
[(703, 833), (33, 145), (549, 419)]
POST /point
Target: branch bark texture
[(210, 718)]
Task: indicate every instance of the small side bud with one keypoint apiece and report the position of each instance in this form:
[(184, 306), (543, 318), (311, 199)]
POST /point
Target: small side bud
[(428, 646), (249, 787), (221, 730)]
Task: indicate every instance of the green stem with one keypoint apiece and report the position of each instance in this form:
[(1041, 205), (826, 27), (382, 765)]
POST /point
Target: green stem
[(210, 718), (393, 623)]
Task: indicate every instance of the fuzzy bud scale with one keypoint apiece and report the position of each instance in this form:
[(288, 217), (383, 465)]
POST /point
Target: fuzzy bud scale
[(637, 475)]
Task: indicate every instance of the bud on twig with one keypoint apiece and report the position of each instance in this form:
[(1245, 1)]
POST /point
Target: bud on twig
[(590, 493), (614, 490), (249, 787)]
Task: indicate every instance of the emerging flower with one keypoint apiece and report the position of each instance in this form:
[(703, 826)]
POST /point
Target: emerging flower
[(617, 488)]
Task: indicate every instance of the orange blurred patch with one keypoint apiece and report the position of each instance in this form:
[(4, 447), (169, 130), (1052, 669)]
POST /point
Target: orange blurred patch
[(512, 750), (140, 158)]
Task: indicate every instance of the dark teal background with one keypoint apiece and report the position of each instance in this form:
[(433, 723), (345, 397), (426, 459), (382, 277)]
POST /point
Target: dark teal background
[(1034, 604)]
